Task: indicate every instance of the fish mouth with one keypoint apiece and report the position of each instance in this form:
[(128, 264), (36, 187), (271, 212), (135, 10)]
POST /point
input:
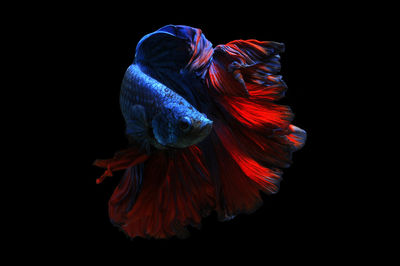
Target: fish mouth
[(206, 129)]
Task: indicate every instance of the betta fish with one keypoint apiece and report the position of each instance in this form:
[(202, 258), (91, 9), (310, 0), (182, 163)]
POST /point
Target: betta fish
[(205, 132)]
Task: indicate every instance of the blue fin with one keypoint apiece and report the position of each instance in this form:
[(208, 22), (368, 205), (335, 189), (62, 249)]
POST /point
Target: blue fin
[(162, 130), (137, 126)]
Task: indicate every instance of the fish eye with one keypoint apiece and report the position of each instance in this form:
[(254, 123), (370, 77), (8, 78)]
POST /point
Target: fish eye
[(185, 124)]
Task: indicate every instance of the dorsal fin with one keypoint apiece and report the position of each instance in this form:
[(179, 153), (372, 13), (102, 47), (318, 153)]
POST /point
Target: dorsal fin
[(162, 50)]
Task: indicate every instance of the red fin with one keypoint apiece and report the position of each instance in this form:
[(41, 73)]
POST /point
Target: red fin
[(266, 93), (121, 160), (240, 62), (255, 133), (176, 192), (297, 137), (202, 51), (244, 74), (265, 117), (125, 194), (222, 78), (267, 179), (236, 192), (270, 150)]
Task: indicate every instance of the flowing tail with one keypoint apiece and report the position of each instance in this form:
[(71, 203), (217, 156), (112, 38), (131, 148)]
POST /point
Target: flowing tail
[(251, 141)]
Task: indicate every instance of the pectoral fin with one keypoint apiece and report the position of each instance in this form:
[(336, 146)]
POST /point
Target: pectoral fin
[(137, 126), (163, 130)]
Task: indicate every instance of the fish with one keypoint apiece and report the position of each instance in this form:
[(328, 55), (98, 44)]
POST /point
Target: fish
[(205, 132)]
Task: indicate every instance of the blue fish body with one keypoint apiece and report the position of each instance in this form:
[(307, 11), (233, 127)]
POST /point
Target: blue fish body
[(156, 115)]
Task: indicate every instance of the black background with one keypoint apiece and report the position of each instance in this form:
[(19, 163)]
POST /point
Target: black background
[(92, 49)]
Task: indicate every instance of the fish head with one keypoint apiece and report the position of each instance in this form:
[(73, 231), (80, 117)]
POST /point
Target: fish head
[(181, 126)]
